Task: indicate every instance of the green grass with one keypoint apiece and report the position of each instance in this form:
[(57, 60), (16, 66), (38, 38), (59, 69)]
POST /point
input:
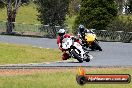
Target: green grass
[(12, 54), (3, 14), (60, 79), (26, 14)]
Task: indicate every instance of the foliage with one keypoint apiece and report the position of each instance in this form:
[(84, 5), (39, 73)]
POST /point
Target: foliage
[(96, 14), (120, 4), (4, 2), (73, 7), (52, 12), (70, 21), (121, 23), (130, 6), (2, 5)]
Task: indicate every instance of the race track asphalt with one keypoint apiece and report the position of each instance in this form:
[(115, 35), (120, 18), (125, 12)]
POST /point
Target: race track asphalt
[(113, 54)]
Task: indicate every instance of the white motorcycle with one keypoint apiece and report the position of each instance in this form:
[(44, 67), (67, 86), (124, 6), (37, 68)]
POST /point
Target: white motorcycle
[(75, 50)]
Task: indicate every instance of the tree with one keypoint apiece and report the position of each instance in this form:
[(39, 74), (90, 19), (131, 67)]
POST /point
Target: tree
[(2, 5), (129, 6), (120, 4), (96, 13), (124, 6), (52, 12), (74, 6), (12, 9)]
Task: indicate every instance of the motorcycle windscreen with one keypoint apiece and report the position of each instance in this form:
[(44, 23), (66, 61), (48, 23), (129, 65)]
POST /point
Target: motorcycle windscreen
[(90, 37)]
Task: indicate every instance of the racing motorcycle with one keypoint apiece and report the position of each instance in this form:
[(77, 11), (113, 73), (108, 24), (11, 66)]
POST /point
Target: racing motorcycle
[(92, 42), (75, 50)]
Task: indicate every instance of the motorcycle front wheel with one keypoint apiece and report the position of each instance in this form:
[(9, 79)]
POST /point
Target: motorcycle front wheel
[(95, 46), (76, 56)]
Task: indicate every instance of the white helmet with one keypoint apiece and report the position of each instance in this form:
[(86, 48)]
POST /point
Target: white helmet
[(61, 32)]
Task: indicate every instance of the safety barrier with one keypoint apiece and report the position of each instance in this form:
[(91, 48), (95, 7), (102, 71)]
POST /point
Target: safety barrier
[(51, 32), (118, 36), (33, 29)]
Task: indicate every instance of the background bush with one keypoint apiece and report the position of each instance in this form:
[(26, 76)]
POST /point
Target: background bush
[(122, 23), (96, 14)]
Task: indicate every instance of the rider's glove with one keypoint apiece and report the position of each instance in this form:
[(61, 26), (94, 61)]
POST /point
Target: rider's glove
[(60, 48)]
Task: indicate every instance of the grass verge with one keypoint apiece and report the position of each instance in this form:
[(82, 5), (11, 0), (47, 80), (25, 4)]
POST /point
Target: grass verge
[(13, 54), (60, 78)]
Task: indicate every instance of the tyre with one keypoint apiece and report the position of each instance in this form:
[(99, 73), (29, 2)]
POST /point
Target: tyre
[(87, 57), (97, 47), (76, 56), (87, 60)]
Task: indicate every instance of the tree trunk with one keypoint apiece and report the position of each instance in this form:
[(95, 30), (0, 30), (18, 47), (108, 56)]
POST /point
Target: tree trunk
[(11, 15), (10, 22)]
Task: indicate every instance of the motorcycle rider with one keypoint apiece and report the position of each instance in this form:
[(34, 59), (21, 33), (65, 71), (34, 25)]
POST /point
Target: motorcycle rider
[(81, 32), (61, 35)]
